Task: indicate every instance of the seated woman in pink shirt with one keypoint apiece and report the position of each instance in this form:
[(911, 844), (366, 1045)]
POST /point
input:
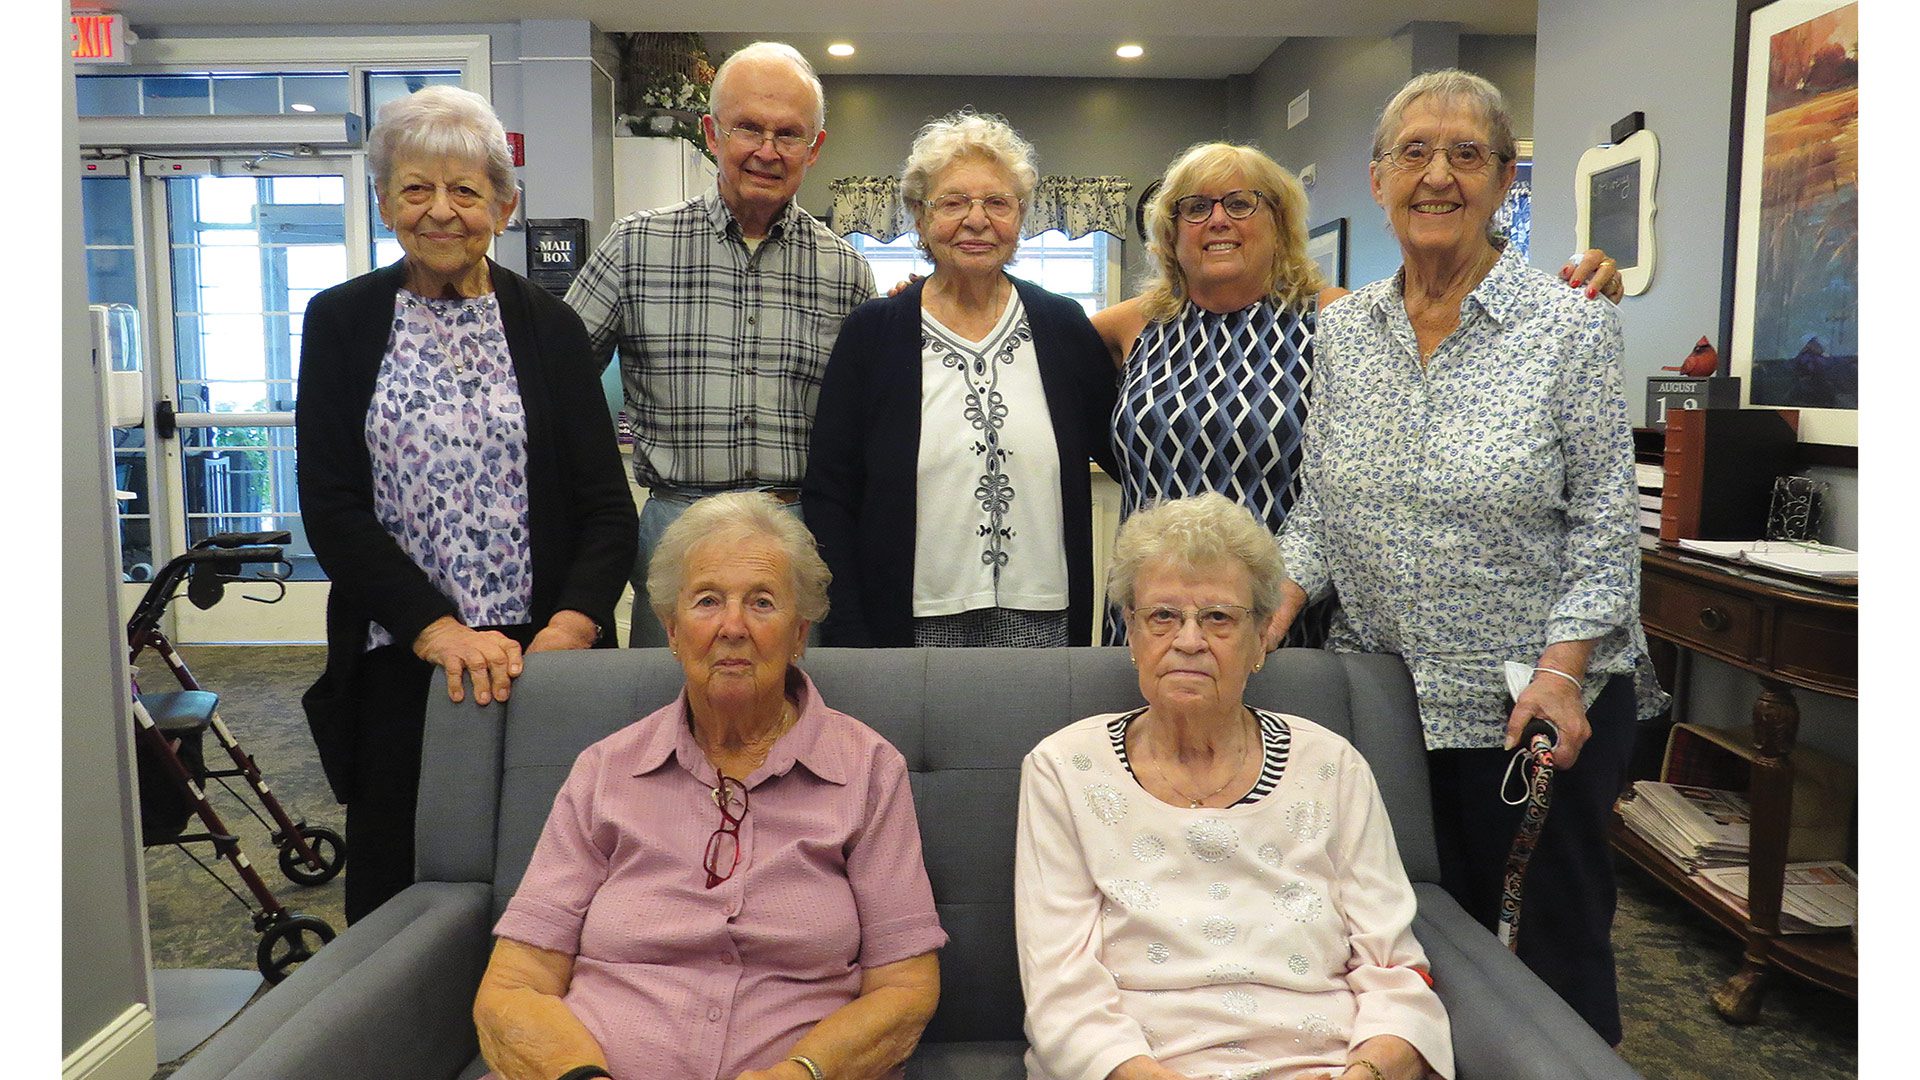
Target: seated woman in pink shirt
[(1204, 889), (733, 886)]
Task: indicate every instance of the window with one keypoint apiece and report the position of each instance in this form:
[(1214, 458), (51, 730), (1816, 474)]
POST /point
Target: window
[(1076, 268)]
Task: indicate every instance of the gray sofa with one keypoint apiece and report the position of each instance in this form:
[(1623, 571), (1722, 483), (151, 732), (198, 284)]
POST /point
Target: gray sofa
[(391, 996)]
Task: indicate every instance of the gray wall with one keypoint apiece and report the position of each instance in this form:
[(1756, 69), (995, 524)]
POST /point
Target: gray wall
[(1079, 127), (1507, 61), (1348, 81), (1672, 59), (103, 951)]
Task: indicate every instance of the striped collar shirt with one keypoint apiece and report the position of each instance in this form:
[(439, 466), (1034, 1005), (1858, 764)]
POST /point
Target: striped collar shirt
[(722, 347)]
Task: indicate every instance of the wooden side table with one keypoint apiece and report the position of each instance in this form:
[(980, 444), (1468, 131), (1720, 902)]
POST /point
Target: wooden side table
[(1791, 633)]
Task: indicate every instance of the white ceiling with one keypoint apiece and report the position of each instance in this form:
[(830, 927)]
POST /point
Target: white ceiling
[(1183, 38)]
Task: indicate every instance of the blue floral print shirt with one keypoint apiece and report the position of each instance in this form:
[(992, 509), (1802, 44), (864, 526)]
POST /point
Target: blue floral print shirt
[(448, 439), (1478, 509)]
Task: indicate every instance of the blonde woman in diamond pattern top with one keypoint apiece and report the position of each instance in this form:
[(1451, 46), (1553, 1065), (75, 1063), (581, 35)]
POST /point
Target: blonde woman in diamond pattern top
[(1202, 888)]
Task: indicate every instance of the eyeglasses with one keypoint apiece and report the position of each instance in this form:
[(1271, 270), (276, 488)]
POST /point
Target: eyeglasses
[(1215, 620), (1239, 205), (1000, 206), (1461, 156), (750, 138), (723, 847)]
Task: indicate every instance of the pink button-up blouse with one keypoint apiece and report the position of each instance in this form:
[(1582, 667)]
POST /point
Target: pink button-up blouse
[(675, 979)]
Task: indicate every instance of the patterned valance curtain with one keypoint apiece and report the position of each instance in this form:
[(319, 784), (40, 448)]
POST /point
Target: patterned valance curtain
[(1076, 205)]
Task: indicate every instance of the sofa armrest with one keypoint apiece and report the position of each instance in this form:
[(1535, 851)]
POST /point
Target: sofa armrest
[(1507, 1024), (391, 996)]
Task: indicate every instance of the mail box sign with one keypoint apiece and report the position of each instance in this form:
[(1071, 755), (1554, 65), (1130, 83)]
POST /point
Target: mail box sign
[(556, 249), (98, 37)]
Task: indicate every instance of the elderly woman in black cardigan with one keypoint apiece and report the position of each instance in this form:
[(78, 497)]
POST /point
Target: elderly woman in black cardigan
[(947, 481), (458, 474)]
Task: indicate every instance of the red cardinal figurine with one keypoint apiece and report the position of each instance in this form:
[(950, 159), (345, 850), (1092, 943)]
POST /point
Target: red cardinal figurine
[(1700, 363)]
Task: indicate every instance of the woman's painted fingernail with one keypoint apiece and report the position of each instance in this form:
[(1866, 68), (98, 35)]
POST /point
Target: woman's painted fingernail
[(1591, 293)]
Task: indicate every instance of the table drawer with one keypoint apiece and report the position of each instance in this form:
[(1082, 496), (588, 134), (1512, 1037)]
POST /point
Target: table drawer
[(1712, 620)]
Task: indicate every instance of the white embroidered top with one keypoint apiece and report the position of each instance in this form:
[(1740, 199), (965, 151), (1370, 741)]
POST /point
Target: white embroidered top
[(987, 510)]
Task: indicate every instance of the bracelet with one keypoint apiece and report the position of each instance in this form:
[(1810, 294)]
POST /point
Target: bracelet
[(1368, 1065), (807, 1064), (585, 1072), (1556, 671)]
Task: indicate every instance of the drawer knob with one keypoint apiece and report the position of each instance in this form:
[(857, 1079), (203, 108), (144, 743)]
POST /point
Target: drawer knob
[(1714, 619)]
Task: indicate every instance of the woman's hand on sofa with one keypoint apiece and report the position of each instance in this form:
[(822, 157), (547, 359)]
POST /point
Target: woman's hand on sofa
[(1143, 1067), (492, 658), (568, 629), (1394, 1057)]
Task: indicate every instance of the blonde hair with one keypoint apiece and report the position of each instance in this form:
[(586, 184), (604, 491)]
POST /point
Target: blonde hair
[(1292, 281), (733, 517), (1194, 534)]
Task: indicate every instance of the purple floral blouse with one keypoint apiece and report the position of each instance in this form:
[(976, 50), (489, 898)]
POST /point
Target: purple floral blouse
[(448, 440)]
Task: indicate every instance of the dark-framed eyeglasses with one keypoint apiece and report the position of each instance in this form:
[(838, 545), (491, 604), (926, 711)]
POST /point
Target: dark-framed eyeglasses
[(1416, 155), (1239, 205), (723, 847), (750, 138), (1214, 620)]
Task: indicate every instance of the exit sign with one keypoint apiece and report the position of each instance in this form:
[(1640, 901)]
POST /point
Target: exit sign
[(98, 37)]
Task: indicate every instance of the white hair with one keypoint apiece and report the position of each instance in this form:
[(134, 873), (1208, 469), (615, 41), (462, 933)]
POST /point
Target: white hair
[(1197, 533), (966, 133), (730, 518), (1452, 88), (769, 50), (442, 122)]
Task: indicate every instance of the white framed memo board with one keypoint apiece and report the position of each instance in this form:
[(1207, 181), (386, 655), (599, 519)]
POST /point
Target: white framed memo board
[(1613, 194)]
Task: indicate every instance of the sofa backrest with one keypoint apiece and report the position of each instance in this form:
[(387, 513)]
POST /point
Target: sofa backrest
[(963, 719)]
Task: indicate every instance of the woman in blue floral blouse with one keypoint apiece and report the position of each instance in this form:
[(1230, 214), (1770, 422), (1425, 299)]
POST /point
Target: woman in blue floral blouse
[(1468, 493), (458, 474)]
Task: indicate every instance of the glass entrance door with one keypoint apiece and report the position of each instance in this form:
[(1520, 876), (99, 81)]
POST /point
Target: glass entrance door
[(219, 256)]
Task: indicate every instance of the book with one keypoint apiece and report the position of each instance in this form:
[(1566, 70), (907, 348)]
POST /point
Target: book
[(1648, 476), (1803, 558), (1719, 470)]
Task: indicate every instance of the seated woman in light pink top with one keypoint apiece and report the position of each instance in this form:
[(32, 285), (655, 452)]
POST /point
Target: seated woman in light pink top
[(1203, 889), (731, 887)]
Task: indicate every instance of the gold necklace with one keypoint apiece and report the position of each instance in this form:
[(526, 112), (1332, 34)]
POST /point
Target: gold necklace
[(1196, 803)]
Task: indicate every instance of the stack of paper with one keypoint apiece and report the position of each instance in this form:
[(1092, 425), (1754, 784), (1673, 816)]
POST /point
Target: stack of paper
[(1694, 827), (1820, 897), (1800, 557)]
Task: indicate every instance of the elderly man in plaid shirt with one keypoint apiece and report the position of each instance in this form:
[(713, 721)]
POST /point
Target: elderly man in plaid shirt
[(725, 307)]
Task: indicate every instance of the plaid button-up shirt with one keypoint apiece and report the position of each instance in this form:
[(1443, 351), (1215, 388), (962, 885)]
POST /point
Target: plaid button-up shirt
[(721, 348)]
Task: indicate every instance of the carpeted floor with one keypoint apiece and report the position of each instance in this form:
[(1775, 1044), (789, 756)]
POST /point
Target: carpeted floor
[(1669, 956)]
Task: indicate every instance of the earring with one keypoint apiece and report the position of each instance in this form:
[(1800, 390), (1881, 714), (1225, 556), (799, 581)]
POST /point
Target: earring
[(1132, 660)]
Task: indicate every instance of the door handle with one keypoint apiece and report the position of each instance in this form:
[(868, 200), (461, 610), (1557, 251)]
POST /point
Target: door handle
[(163, 424), (1714, 619)]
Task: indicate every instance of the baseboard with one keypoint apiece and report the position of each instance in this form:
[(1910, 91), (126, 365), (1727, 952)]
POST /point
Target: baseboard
[(123, 1050)]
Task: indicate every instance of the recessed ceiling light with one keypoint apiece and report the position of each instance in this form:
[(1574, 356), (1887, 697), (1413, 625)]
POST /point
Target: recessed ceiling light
[(840, 48), (1129, 52), (300, 106)]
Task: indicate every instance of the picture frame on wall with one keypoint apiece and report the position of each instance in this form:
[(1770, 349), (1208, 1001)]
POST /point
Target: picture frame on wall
[(1327, 245), (1789, 319)]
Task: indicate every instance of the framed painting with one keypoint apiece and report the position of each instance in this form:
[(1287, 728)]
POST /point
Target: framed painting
[(1327, 245), (1790, 317)]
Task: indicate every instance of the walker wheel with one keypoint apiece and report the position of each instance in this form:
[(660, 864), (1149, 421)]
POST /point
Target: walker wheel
[(289, 943), (328, 847)]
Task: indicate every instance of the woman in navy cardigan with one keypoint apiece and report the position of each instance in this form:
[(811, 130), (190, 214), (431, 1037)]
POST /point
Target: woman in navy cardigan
[(459, 479), (947, 480)]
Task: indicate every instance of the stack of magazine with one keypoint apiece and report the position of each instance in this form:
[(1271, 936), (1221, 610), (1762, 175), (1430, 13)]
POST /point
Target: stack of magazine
[(1694, 827)]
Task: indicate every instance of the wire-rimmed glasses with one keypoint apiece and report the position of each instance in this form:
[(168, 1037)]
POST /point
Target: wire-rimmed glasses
[(1239, 205), (1463, 157), (723, 847), (749, 138), (1000, 206), (1214, 620)]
